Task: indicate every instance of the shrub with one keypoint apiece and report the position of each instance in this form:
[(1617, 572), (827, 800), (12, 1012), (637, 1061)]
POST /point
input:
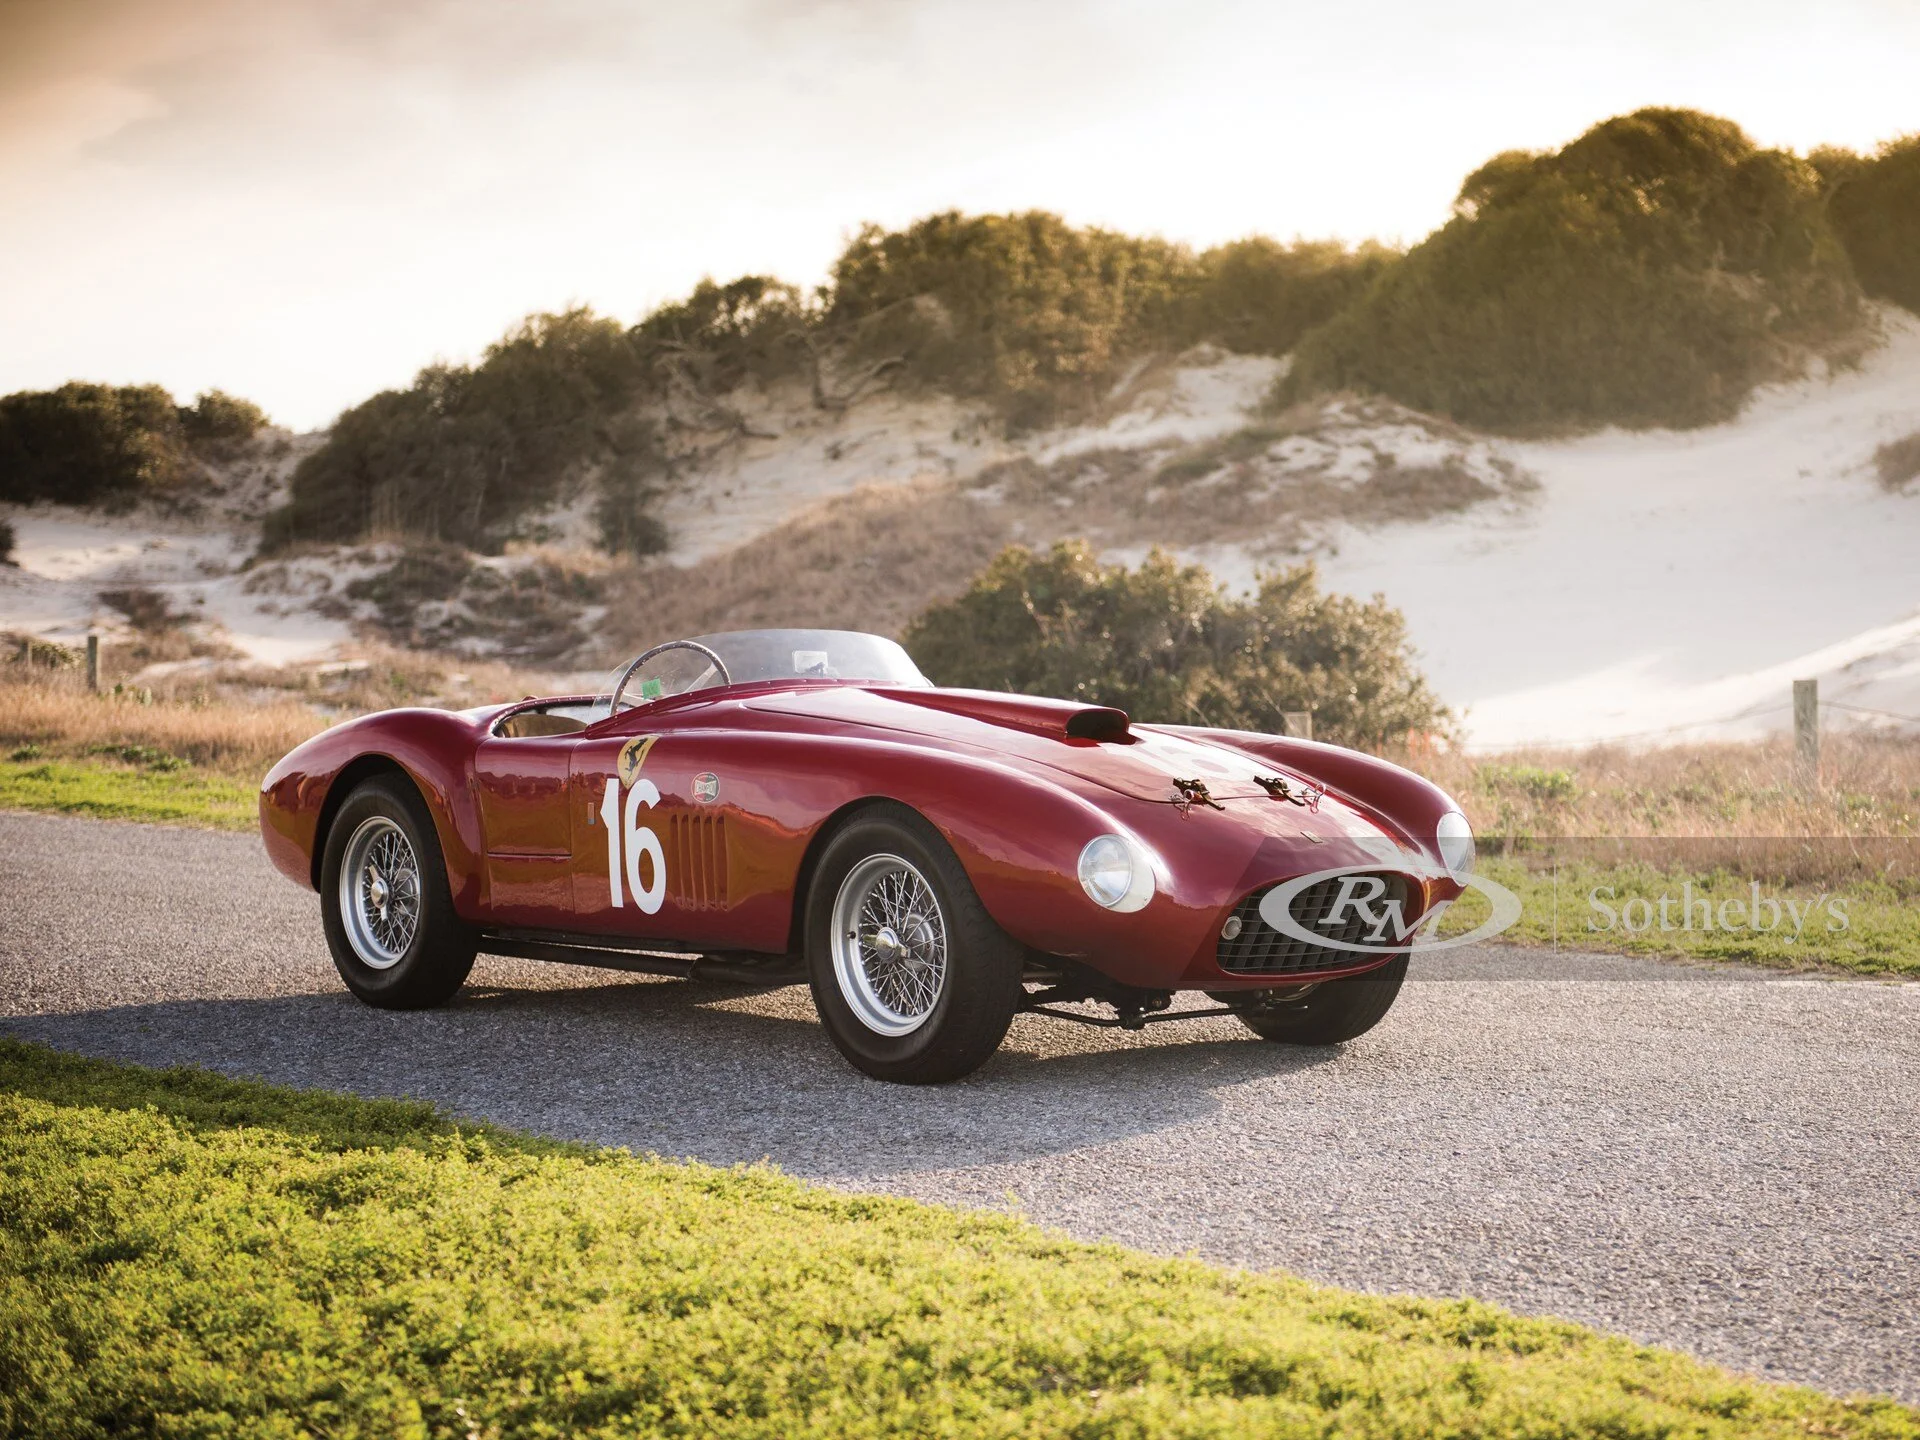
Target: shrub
[(1260, 297), (1166, 643), (219, 421), (465, 451), (1898, 461), (723, 335), (1649, 273), (1039, 317), (87, 444), (1026, 311), (1875, 207)]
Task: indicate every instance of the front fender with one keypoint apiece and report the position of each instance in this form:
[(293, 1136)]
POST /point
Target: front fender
[(432, 748)]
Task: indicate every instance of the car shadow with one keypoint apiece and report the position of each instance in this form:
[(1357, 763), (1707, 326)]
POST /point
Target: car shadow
[(699, 1072)]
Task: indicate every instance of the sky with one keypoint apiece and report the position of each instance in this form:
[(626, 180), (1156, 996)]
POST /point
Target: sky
[(304, 201)]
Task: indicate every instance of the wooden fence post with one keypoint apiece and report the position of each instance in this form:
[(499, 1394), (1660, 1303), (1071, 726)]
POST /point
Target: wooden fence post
[(93, 662), (1806, 727)]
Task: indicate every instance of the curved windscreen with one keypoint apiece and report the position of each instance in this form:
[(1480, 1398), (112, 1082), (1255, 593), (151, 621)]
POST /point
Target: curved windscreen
[(761, 655), (812, 655)]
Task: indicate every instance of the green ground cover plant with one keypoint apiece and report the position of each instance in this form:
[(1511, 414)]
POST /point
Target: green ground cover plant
[(191, 1255), (168, 791), (1861, 927)]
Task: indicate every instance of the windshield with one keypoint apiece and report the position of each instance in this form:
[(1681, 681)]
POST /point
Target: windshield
[(760, 655)]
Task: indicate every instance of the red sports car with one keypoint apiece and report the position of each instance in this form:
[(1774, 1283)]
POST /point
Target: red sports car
[(778, 806)]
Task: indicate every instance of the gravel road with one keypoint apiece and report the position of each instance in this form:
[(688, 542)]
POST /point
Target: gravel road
[(1712, 1159)]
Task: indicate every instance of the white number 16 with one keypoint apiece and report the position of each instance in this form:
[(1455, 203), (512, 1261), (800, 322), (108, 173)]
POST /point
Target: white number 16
[(638, 840)]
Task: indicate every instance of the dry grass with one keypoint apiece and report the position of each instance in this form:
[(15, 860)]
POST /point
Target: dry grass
[(1868, 786), (55, 716), (1700, 807), (229, 719)]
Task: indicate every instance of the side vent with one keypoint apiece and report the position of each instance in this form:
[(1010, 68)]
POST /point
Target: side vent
[(697, 861)]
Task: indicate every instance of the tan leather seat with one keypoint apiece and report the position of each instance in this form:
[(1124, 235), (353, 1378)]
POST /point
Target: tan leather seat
[(535, 722)]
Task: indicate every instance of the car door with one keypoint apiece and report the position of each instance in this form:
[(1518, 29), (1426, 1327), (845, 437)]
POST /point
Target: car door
[(521, 785), (651, 833)]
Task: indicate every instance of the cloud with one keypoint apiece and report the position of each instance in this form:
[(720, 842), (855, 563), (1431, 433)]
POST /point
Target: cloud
[(303, 200)]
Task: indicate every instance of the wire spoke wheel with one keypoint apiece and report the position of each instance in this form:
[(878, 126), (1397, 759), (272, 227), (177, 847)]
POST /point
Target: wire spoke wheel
[(889, 945), (380, 893)]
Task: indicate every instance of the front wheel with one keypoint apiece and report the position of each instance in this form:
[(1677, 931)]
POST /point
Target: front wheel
[(388, 913), (913, 980), (1330, 1013)]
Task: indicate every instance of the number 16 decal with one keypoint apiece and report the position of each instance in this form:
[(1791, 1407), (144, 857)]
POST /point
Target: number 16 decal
[(626, 834)]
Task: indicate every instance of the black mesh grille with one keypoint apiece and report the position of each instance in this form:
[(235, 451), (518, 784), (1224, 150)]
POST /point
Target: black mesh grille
[(1261, 949)]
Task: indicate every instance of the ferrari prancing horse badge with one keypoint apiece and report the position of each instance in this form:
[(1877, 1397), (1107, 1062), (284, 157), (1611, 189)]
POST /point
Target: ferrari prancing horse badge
[(633, 755)]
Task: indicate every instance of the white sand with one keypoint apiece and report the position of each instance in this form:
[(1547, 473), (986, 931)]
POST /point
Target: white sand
[(65, 557), (1672, 585)]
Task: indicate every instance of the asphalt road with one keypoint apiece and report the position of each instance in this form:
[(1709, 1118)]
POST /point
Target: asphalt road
[(1716, 1160)]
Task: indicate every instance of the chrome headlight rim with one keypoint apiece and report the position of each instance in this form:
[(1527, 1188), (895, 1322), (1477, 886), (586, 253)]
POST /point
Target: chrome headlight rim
[(1453, 839), (1116, 872)]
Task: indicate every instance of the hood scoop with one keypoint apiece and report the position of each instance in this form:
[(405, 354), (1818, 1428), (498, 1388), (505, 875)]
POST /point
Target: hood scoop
[(1054, 719)]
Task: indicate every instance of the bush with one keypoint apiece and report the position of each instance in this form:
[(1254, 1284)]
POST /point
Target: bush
[(89, 444), (1260, 297), (1875, 207), (1650, 273), (466, 451), (217, 420), (1166, 643), (1026, 311), (1898, 461), (1039, 317)]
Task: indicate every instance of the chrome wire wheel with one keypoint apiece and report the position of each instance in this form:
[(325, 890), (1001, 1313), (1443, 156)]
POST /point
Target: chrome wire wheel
[(889, 945), (380, 893)]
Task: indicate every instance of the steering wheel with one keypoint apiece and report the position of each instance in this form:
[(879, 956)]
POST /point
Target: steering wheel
[(613, 705)]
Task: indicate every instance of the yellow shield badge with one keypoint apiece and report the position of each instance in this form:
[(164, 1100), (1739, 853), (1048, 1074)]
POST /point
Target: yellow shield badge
[(633, 755)]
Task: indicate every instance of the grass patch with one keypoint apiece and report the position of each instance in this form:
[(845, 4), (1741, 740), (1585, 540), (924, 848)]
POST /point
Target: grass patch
[(170, 794), (186, 1254), (1865, 928)]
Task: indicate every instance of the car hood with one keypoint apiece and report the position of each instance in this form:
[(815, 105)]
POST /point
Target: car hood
[(1136, 760)]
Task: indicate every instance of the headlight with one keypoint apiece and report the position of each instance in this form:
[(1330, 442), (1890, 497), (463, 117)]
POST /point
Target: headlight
[(1116, 872), (1455, 838)]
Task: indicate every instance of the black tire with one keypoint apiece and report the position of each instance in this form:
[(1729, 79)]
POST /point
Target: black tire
[(980, 991), (1331, 1013), (433, 963)]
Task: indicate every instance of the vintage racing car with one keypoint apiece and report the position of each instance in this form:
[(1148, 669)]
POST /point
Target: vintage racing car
[(774, 807)]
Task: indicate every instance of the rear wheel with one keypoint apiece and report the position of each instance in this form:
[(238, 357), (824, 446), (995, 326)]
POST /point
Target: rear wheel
[(1328, 1014), (388, 914), (913, 980)]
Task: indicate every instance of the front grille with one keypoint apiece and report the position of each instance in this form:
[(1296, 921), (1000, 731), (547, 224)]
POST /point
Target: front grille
[(1259, 949)]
